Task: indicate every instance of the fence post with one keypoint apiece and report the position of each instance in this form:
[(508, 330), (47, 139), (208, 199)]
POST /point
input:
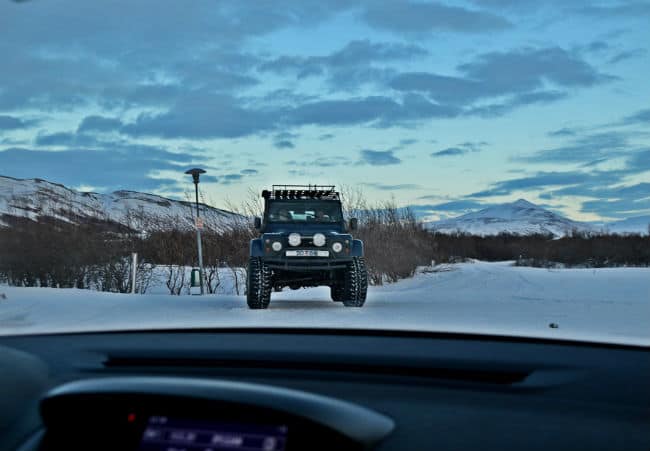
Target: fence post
[(134, 271)]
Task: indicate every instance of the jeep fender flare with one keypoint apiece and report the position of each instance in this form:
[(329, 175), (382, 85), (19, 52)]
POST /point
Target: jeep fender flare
[(256, 248), (356, 249)]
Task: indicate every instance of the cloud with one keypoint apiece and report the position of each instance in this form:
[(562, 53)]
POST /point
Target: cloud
[(325, 136), (99, 124), (618, 208), (449, 151), (323, 162), (518, 100), (65, 139), (461, 149), (209, 179), (584, 149), (352, 55), (418, 17), (626, 55), (348, 68), (638, 161), (119, 167), (545, 180), (407, 141), (14, 123), (55, 139), (249, 171), (596, 46), (604, 191), (229, 179), (521, 73), (286, 135), (640, 117), (386, 187), (562, 132), (343, 112), (283, 144), (634, 10), (207, 116), (378, 157), (528, 68), (377, 110), (447, 209), (202, 115), (284, 140)]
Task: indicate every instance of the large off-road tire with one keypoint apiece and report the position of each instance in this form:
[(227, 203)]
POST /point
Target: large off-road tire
[(258, 284), (355, 287), (337, 292)]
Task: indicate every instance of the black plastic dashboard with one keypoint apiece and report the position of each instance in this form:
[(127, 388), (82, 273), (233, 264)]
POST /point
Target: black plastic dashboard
[(321, 389)]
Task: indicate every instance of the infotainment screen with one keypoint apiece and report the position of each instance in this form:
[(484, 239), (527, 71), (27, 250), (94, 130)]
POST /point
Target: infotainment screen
[(166, 434)]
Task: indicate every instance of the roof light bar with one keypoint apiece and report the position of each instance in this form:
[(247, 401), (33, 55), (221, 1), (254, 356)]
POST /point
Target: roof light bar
[(302, 192)]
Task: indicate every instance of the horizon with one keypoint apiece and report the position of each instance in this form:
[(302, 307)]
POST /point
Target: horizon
[(448, 107), (420, 217)]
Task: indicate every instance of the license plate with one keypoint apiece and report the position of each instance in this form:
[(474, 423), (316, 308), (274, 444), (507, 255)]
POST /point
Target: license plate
[(308, 253)]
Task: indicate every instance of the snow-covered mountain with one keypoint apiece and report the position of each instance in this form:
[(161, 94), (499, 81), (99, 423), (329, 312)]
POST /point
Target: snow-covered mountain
[(520, 217), (37, 199)]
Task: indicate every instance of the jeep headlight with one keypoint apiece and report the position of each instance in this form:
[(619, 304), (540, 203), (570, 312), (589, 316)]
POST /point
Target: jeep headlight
[(337, 247), (319, 239), (294, 239), (276, 246)]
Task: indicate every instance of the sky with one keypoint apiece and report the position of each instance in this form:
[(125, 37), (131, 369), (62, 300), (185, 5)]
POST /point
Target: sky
[(445, 107)]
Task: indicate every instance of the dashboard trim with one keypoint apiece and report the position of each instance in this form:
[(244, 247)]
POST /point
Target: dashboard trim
[(362, 425)]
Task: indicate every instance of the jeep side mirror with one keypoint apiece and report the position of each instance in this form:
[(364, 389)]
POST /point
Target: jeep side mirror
[(354, 223), (257, 223)]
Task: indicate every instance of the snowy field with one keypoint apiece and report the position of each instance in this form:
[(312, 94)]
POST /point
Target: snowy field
[(605, 305)]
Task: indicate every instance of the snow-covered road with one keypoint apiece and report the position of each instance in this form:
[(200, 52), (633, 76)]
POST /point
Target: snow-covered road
[(608, 305)]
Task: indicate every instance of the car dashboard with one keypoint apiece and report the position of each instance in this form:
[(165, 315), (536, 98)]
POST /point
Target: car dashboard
[(292, 389)]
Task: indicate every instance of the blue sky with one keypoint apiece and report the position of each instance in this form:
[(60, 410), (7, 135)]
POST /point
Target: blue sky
[(444, 106)]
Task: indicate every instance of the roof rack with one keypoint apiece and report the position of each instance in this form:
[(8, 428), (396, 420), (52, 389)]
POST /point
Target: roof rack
[(327, 192)]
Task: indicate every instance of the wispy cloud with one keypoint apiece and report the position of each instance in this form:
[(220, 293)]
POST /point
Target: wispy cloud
[(418, 17), (388, 187), (460, 149), (15, 123), (378, 157)]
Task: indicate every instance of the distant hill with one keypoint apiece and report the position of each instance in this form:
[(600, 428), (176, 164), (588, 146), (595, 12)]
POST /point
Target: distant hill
[(520, 217), (40, 200)]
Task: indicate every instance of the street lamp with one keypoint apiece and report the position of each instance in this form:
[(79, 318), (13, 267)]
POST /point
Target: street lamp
[(196, 173)]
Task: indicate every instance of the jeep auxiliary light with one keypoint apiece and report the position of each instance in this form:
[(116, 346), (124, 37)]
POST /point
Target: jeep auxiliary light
[(319, 239), (294, 239), (337, 247), (276, 246)]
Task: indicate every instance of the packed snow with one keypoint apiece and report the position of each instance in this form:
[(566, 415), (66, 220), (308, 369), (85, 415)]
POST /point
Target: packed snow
[(599, 305)]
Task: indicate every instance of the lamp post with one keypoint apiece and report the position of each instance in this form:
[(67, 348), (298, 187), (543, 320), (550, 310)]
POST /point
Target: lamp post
[(196, 173)]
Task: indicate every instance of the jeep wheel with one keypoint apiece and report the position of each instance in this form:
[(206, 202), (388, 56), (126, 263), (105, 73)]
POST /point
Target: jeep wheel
[(356, 283), (258, 284), (337, 292)]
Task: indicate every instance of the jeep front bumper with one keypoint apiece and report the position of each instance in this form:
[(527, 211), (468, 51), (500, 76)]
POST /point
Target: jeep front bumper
[(306, 263)]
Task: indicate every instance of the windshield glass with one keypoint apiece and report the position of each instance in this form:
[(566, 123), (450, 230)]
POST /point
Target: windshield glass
[(304, 211), (166, 164)]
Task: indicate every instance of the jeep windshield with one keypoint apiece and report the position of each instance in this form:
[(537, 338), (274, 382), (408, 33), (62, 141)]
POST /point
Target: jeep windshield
[(304, 212), (453, 166)]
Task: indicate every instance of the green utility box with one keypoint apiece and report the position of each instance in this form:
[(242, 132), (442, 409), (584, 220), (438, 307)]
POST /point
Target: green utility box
[(195, 279)]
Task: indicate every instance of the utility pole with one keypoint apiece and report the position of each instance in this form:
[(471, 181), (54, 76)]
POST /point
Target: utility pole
[(196, 173)]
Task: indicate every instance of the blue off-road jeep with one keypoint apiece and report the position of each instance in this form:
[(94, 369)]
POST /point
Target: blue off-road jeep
[(304, 242)]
